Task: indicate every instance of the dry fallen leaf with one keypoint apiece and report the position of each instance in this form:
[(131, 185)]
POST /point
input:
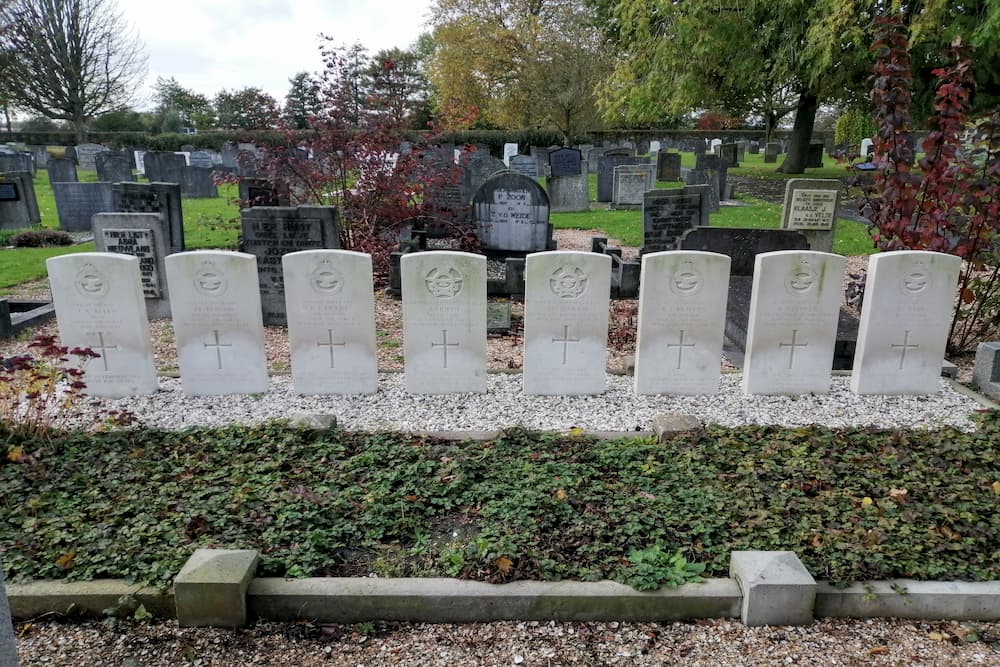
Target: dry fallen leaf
[(561, 494), (897, 493), (996, 488), (879, 650), (937, 636), (504, 564), (65, 561)]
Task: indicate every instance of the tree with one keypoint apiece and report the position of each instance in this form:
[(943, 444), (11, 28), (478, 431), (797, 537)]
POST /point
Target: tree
[(396, 76), (302, 101), (71, 59), (249, 109), (125, 120), (191, 108)]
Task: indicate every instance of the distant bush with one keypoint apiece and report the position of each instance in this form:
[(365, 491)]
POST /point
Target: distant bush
[(40, 238), (853, 126)]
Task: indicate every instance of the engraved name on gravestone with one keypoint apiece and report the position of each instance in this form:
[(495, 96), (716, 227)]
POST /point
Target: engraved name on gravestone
[(272, 231), (98, 302), (141, 235), (444, 322), (61, 170), (905, 316), (331, 321), (511, 212), (18, 206), (113, 167), (163, 199), (794, 308), (215, 307), (810, 206), (682, 315), (565, 162), (566, 323), (666, 214), (78, 203)]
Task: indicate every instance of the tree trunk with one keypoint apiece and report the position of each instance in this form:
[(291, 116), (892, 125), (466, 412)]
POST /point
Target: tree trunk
[(798, 148)]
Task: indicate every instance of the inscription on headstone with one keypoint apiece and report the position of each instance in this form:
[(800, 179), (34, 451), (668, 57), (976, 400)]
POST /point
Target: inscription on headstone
[(512, 214), (565, 162), (666, 214)]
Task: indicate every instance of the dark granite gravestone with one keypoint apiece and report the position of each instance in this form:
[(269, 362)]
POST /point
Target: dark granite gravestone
[(728, 154), (198, 183), (593, 156), (699, 147), (606, 170), (754, 148), (142, 235), (771, 151), (263, 192), (17, 162), (272, 231), (164, 166), (86, 155), (229, 153), (565, 162), (524, 165), (666, 214), (163, 199), (814, 158), (18, 206), (61, 170), (668, 166), (113, 167), (77, 203), (642, 147), (511, 212), (708, 178), (482, 165), (201, 159)]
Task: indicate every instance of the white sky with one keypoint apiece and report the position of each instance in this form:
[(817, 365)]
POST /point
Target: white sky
[(208, 45)]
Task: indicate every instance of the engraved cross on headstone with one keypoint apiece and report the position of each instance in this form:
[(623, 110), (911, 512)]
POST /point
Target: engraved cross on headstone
[(680, 348), (103, 347), (791, 347), (903, 347), (330, 344), (565, 340), (444, 345), (218, 347)]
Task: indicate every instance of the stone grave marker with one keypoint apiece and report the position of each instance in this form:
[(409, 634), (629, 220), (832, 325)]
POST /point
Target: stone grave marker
[(139, 158), (729, 155), (164, 167), (509, 151), (197, 183), (814, 156), (98, 302), (810, 207), (449, 196), (511, 212), (524, 165), (17, 162), (630, 183), (682, 316), (18, 205), (62, 170), (331, 321), (699, 147), (565, 162), (268, 232), (229, 152), (141, 235), (77, 203), (113, 167), (263, 192), (986, 371), (566, 323), (161, 198), (667, 214), (568, 194), (771, 150), (41, 154), (668, 166), (867, 145), (708, 179), (754, 148), (215, 307), (794, 309), (905, 316), (444, 322), (741, 150), (593, 155), (606, 170), (654, 146), (481, 166), (86, 155), (715, 145), (201, 159)]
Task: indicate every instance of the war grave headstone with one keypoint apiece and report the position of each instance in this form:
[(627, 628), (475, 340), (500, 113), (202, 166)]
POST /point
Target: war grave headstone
[(509, 151), (568, 194), (161, 198), (811, 206), (215, 307), (86, 155), (986, 371), (794, 308), (511, 213), (566, 300), (331, 321), (606, 170), (682, 311), (444, 322), (201, 159), (99, 304), (77, 203), (524, 165), (113, 167), (867, 145), (814, 156), (771, 150), (481, 166), (18, 205), (62, 170), (268, 232), (141, 235), (565, 162), (17, 162), (905, 317), (667, 214), (728, 155), (668, 166), (629, 184)]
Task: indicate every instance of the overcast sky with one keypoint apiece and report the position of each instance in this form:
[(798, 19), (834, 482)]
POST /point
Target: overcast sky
[(208, 45)]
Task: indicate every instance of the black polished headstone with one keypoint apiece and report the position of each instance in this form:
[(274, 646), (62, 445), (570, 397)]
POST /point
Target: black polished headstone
[(565, 162)]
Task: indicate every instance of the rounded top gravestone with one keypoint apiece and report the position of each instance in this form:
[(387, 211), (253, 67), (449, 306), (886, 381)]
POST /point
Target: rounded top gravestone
[(512, 214)]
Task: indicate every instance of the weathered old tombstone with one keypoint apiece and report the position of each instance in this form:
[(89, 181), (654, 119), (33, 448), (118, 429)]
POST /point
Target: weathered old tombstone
[(331, 321), (668, 166), (163, 199), (481, 166), (164, 167), (17, 162), (263, 192), (794, 308), (630, 182), (754, 148), (814, 156), (98, 302), (18, 205), (448, 196), (444, 322), (667, 214), (741, 150), (77, 203), (565, 162), (141, 235), (729, 155), (655, 146), (86, 155), (113, 167), (810, 207), (708, 178), (524, 165), (215, 307), (509, 151), (198, 183), (905, 316), (568, 194), (566, 323), (201, 159), (986, 371), (715, 146), (771, 150), (268, 232), (682, 312), (229, 152), (699, 147), (511, 213), (606, 170), (593, 155), (61, 170)]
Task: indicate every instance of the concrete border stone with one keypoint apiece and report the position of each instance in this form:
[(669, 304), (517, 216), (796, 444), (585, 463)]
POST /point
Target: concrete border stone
[(906, 598), (88, 598), (211, 588), (777, 588)]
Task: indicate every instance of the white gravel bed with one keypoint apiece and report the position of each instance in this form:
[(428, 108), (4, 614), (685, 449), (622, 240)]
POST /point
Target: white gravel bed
[(504, 405)]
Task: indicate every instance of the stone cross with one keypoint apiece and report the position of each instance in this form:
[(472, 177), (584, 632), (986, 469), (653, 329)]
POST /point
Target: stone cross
[(903, 347), (330, 344), (565, 340), (680, 345), (218, 347), (444, 345), (791, 347)]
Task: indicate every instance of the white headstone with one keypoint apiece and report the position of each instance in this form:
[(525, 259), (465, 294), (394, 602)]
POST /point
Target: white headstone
[(654, 146), (715, 145), (215, 304), (866, 146), (907, 310), (444, 322), (140, 161), (566, 298), (509, 151), (794, 309), (682, 316), (187, 157), (99, 304), (331, 321)]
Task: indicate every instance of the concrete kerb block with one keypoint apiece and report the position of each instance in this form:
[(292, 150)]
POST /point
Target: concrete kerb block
[(777, 589), (905, 598), (668, 425), (210, 589)]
